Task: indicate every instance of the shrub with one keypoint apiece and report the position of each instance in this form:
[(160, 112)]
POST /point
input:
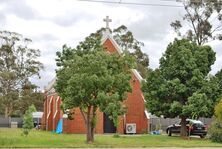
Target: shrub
[(215, 131), (116, 135), (28, 120), (218, 110)]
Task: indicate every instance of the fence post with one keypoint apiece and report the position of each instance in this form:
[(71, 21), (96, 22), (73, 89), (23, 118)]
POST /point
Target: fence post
[(9, 121)]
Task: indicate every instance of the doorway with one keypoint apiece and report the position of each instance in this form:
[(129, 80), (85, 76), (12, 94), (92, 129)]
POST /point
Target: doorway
[(108, 125)]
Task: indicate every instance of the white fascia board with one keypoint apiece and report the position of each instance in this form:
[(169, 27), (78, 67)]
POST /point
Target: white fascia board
[(137, 74), (147, 114)]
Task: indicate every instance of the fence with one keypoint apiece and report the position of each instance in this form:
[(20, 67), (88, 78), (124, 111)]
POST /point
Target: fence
[(163, 123), (7, 122)]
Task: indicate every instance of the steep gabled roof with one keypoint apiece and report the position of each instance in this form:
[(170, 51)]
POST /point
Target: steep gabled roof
[(108, 36), (50, 86)]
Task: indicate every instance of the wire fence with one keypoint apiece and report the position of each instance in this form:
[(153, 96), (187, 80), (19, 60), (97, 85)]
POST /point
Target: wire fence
[(163, 123), (11, 122)]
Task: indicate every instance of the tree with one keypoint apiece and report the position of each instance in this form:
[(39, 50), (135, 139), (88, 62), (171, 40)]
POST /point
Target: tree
[(129, 44), (29, 96), (18, 63), (204, 21), (28, 123), (91, 79), (180, 86)]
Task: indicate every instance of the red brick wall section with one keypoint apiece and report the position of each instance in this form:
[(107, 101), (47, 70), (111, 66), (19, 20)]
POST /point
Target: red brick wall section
[(49, 122), (109, 46), (43, 120), (53, 112), (77, 125), (57, 115), (99, 122), (136, 107), (121, 125)]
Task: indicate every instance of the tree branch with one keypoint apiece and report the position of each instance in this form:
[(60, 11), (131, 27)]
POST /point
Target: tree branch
[(83, 115)]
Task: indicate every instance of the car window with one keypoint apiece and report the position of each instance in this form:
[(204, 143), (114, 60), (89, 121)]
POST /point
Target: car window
[(189, 121), (178, 123)]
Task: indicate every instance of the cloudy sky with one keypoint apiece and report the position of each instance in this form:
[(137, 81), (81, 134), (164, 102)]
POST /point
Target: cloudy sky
[(53, 23)]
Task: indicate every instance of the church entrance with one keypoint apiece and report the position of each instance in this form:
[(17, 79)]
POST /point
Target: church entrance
[(108, 125)]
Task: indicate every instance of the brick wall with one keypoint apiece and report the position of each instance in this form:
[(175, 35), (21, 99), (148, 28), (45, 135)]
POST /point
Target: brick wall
[(109, 46), (77, 125), (136, 107)]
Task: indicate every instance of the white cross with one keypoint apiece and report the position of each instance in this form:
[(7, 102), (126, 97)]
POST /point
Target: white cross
[(107, 20)]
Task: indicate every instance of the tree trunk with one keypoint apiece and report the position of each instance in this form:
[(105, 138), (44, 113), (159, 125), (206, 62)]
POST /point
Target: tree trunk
[(93, 122), (183, 131), (90, 135), (89, 138), (6, 112), (90, 131)]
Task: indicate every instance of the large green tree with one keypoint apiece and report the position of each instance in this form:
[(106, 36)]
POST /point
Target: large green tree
[(129, 44), (181, 86), (18, 63), (202, 20), (91, 79)]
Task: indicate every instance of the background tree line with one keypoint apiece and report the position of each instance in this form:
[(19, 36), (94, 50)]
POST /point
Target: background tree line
[(18, 63)]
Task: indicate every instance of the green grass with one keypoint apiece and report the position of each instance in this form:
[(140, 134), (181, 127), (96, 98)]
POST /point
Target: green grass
[(13, 138)]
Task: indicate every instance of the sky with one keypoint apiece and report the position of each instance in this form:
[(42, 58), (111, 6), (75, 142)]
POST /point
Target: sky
[(52, 23)]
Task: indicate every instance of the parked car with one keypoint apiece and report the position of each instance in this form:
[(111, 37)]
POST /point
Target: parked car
[(196, 128)]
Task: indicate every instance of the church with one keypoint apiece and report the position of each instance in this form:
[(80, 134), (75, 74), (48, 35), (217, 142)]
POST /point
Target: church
[(135, 121)]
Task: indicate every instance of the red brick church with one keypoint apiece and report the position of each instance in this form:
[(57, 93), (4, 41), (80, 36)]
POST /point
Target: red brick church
[(136, 120)]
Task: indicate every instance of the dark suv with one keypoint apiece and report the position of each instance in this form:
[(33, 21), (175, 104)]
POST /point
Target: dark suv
[(196, 128)]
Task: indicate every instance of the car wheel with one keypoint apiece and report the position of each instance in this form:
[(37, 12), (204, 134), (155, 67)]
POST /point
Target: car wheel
[(169, 133), (202, 136)]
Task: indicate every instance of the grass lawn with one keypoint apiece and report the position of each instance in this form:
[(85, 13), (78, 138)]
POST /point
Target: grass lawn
[(13, 138)]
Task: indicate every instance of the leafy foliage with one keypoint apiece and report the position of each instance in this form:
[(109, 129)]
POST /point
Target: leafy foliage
[(18, 63), (28, 123), (91, 79), (112, 107), (181, 86), (29, 96), (204, 21), (219, 79), (218, 111), (215, 129)]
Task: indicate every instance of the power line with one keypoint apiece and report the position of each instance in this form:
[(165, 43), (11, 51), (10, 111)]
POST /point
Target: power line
[(131, 3)]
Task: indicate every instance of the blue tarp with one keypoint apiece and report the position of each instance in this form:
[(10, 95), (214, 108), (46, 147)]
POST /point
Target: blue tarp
[(59, 127), (156, 132)]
